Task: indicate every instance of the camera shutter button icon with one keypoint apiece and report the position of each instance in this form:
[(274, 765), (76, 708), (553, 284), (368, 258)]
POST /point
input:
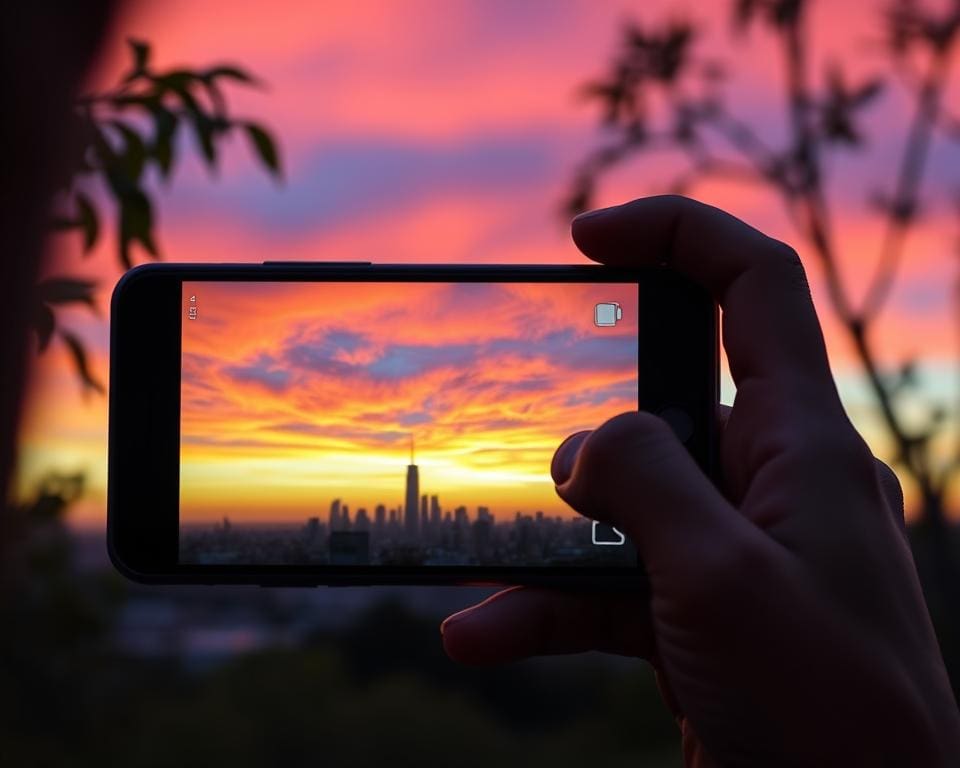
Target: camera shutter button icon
[(605, 535), (606, 314)]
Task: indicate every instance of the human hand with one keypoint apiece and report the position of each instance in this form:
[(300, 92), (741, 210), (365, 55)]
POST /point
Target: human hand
[(786, 621)]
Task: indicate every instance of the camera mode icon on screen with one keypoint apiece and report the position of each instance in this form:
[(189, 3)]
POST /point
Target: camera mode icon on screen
[(606, 313), (604, 535)]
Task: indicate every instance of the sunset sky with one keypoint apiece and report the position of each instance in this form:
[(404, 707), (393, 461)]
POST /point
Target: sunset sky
[(448, 131), (296, 393)]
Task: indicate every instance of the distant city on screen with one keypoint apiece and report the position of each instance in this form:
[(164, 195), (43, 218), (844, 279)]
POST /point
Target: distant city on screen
[(324, 423)]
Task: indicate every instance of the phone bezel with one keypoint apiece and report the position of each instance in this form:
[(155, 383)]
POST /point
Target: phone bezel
[(678, 358)]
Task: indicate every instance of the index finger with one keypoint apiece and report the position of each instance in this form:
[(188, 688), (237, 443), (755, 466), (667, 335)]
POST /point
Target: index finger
[(770, 327)]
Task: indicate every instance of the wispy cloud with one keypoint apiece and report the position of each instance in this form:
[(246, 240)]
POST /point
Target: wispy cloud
[(263, 371)]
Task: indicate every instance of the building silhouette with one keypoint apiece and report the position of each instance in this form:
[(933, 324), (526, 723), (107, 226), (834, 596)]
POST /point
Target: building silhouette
[(416, 532), (334, 515), (411, 507), (380, 517), (363, 520)]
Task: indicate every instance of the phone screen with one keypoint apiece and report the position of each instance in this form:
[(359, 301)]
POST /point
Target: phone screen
[(401, 423)]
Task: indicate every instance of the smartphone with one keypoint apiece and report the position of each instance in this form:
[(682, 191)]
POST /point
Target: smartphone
[(353, 423)]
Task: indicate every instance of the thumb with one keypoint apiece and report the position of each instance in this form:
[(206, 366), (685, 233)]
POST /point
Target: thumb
[(634, 474)]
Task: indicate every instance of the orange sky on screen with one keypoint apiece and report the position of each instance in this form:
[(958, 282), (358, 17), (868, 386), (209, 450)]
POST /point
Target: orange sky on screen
[(298, 393)]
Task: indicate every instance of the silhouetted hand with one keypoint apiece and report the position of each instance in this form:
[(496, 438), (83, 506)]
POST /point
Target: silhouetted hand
[(786, 621)]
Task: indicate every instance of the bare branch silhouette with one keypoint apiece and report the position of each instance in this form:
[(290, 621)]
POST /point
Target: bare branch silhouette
[(695, 118)]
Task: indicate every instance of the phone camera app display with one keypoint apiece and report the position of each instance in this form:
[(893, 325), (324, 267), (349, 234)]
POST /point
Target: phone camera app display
[(404, 424)]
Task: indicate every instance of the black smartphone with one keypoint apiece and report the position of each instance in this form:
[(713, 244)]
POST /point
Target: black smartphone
[(352, 423)]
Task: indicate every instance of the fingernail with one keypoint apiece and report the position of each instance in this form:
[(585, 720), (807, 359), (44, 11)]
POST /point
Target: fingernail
[(566, 456), (454, 619), (596, 213)]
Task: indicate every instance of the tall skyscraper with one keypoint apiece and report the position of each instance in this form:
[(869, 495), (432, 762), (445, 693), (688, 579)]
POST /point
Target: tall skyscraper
[(380, 516), (363, 520), (334, 515), (411, 507)]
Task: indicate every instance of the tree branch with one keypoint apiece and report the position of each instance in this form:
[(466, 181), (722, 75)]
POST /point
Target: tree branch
[(901, 209)]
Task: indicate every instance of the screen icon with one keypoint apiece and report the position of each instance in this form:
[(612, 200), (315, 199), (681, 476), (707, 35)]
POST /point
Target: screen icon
[(604, 535), (606, 314)]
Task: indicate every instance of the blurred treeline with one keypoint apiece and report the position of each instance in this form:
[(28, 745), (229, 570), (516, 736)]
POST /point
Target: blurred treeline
[(379, 691)]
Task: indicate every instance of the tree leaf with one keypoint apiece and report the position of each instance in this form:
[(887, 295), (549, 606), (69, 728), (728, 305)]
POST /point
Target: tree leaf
[(177, 80), (67, 290), (88, 220), (44, 322), (265, 147), (162, 153), (203, 129), (135, 224), (131, 160), (141, 58), (203, 126), (79, 355), (162, 149), (229, 72), (106, 158)]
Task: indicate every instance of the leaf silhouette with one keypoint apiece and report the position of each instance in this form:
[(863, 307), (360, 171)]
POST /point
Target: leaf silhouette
[(265, 147), (45, 322), (67, 290), (141, 58), (229, 72), (135, 224), (163, 148), (121, 134), (88, 220), (79, 355)]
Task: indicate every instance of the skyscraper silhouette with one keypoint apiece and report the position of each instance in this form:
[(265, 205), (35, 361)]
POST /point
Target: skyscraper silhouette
[(411, 508)]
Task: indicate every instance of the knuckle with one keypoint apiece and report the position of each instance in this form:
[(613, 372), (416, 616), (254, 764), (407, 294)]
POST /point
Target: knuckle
[(789, 264), (891, 487), (888, 477)]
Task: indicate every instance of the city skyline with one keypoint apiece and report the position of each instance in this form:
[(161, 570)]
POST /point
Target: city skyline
[(417, 533)]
